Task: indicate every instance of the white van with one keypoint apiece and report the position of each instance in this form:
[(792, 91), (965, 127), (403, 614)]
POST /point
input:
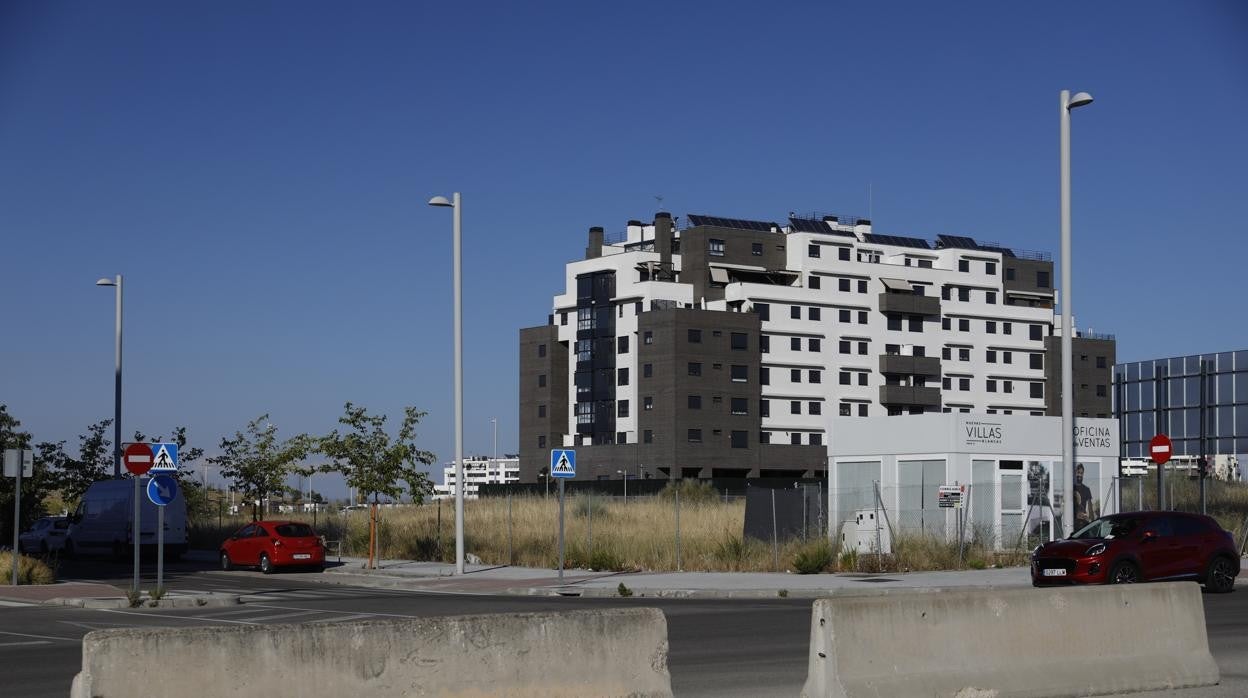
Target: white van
[(102, 523)]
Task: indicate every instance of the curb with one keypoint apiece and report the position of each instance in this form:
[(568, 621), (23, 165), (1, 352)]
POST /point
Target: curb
[(193, 601)]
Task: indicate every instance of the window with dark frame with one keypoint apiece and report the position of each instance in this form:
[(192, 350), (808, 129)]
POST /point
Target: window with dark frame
[(739, 439), (739, 405), (695, 336), (740, 341), (695, 368), (812, 251), (647, 370), (740, 374), (813, 281), (695, 436), (695, 402)]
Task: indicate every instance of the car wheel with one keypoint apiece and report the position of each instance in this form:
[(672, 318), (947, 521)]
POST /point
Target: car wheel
[(266, 565), (1220, 578), (226, 563), (1124, 573)]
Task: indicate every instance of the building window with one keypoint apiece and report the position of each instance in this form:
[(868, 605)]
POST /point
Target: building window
[(541, 441), (862, 409), (740, 405), (846, 409), (812, 344), (795, 407), (756, 249), (812, 251), (862, 378), (816, 408), (990, 326), (946, 353), (541, 380), (845, 378), (862, 348), (647, 337), (740, 374), (695, 402), (964, 325), (964, 295), (1100, 391), (715, 248), (813, 282), (621, 408), (764, 343), (1007, 328), (1037, 333), (795, 439), (764, 376), (1037, 361), (795, 312), (844, 347), (964, 384), (647, 370), (842, 285), (647, 436), (541, 411), (695, 336), (621, 344), (795, 375), (763, 310), (844, 316), (647, 403), (1009, 273), (621, 376), (563, 317), (862, 285), (541, 350), (946, 383), (695, 368), (1042, 279), (964, 354), (1100, 362), (1037, 389), (946, 323), (964, 265), (894, 323), (944, 293), (990, 297), (621, 437), (990, 268), (843, 253), (915, 323), (1007, 357), (862, 317), (764, 437), (636, 307), (764, 408), (991, 356), (795, 343), (1007, 386), (739, 439), (740, 341), (991, 385), (816, 439), (695, 436)]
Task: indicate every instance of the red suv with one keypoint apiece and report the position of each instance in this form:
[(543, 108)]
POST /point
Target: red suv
[(272, 544), (1143, 546)]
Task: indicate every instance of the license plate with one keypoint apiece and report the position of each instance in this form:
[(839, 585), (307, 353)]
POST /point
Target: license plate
[(308, 556), (1055, 573)]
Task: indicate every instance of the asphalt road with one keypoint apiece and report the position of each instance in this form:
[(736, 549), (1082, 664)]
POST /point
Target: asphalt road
[(728, 647)]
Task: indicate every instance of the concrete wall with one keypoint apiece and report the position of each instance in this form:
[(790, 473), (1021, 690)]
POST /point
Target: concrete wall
[(1014, 642), (619, 652)]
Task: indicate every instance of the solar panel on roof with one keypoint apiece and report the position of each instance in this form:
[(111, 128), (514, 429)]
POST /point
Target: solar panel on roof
[(734, 223), (897, 241), (957, 242), (805, 225)]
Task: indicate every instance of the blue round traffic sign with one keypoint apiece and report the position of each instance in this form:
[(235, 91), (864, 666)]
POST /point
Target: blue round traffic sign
[(162, 489)]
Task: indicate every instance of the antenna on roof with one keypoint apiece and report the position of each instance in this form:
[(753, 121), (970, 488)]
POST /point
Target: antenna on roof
[(870, 212)]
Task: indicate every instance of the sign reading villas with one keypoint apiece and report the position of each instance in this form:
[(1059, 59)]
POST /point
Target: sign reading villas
[(983, 433)]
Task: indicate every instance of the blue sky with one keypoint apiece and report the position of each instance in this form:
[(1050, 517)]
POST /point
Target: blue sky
[(258, 171)]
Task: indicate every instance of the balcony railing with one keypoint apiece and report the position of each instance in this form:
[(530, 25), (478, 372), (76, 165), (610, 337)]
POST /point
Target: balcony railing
[(909, 395), (910, 365)]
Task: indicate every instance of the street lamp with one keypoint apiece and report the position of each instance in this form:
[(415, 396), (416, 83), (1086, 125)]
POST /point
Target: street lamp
[(457, 209), (116, 378), (1068, 477)]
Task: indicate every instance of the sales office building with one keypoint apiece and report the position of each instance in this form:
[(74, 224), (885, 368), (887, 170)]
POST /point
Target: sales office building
[(1010, 465)]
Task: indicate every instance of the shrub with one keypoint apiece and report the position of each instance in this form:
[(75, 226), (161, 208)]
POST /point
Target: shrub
[(691, 492), (848, 561), (813, 557), (29, 570), (623, 590)]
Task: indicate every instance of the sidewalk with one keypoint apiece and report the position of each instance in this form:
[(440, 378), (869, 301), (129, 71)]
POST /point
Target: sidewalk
[(485, 579)]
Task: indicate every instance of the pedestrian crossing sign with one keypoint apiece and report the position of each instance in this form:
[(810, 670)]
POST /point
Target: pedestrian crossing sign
[(562, 463), (165, 457)]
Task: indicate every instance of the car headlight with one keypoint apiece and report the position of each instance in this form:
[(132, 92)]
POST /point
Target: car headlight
[(1096, 550), (1036, 552)]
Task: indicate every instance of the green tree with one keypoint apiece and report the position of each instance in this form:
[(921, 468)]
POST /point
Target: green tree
[(36, 488), (94, 463), (373, 463), (257, 463)]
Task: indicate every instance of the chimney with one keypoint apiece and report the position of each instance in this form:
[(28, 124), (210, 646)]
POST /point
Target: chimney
[(663, 243), (594, 250)]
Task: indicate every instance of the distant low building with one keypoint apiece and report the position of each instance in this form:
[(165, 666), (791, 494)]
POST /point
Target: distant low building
[(478, 471)]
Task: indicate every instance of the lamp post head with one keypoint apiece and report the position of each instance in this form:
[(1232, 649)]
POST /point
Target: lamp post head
[(441, 201), (106, 282), (1080, 99)]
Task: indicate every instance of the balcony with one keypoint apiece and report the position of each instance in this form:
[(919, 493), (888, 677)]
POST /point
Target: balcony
[(909, 395), (910, 365), (909, 304)]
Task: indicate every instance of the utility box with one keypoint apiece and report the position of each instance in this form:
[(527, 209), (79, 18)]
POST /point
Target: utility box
[(867, 533)]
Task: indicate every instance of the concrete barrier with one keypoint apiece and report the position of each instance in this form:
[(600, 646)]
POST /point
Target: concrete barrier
[(617, 652), (1011, 642)]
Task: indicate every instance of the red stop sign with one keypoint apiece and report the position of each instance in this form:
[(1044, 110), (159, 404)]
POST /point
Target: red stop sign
[(1159, 449), (138, 458)]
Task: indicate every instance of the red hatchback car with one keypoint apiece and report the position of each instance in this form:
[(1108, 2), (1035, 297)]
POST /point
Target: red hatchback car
[(272, 544), (1145, 546)]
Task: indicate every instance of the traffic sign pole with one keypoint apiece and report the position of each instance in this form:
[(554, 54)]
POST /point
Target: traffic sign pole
[(160, 549), (17, 519), (561, 530), (136, 534)]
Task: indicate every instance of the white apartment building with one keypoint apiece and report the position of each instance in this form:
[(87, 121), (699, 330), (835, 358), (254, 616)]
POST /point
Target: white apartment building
[(478, 471), (850, 324)]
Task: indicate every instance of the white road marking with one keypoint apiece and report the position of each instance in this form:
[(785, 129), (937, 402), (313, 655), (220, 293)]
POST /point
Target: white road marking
[(340, 619), (192, 618), (28, 642), (40, 637), (266, 619), (15, 603)]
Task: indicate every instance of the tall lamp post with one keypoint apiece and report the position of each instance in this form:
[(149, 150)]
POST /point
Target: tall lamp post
[(457, 210), (116, 378), (1068, 447)]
